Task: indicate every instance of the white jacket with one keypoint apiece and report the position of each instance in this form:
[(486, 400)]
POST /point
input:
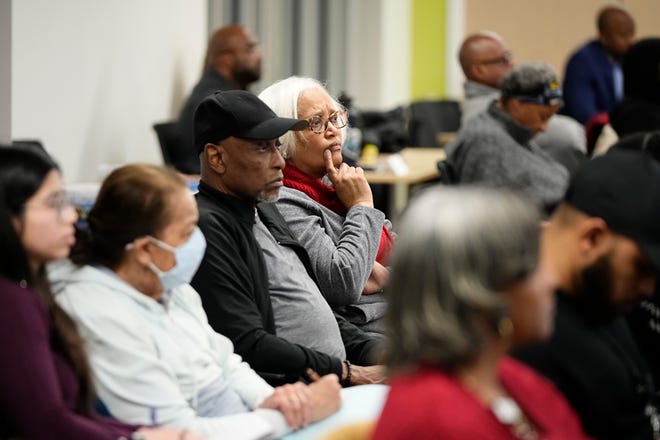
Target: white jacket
[(149, 360)]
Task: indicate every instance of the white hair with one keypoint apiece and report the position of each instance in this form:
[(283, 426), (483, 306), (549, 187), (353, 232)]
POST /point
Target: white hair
[(282, 96)]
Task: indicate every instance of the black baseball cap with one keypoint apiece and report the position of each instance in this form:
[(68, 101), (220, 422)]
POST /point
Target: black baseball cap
[(622, 188), (239, 114)]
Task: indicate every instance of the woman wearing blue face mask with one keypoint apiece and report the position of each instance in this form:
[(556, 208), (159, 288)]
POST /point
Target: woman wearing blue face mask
[(186, 260), (154, 357)]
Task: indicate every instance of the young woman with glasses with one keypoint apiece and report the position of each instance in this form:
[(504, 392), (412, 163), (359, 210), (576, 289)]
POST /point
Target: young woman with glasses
[(45, 381)]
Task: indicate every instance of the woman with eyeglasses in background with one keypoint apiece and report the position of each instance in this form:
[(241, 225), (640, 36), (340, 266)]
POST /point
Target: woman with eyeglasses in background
[(328, 204), (45, 386)]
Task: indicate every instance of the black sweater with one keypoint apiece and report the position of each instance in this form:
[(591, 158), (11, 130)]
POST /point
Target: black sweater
[(233, 284), (598, 367)]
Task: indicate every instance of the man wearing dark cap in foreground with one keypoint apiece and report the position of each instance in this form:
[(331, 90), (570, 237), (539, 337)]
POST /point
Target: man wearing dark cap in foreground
[(603, 241), (237, 136), (496, 147)]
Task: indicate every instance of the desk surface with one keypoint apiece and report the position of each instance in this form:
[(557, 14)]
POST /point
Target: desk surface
[(359, 404), (421, 164)]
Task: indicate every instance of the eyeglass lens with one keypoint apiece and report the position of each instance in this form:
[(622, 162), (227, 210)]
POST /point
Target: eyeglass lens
[(59, 201), (338, 120)]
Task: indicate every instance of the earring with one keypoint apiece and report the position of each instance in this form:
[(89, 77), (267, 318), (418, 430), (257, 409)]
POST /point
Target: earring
[(505, 327)]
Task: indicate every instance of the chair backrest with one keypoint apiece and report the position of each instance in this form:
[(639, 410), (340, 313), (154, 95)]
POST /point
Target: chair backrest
[(168, 138), (428, 119), (593, 128), (28, 143), (387, 129), (447, 172)]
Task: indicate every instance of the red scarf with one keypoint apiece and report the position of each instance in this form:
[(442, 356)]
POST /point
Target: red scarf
[(327, 196)]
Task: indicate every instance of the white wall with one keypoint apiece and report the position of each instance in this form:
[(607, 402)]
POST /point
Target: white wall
[(5, 71), (455, 25), (368, 43), (396, 53), (90, 77), (378, 53)]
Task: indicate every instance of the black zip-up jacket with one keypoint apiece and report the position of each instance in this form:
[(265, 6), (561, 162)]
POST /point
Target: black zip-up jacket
[(233, 284)]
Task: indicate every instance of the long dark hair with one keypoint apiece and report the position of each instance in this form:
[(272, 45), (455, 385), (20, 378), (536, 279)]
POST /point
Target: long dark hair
[(22, 172)]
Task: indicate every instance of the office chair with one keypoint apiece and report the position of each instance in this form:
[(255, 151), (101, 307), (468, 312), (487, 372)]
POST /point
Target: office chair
[(28, 143), (447, 172), (168, 138), (593, 128), (175, 152), (429, 119)]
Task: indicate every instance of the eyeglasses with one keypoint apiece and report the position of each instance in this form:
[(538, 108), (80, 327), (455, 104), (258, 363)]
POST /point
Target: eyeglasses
[(339, 119), (160, 243), (59, 201), (503, 60)]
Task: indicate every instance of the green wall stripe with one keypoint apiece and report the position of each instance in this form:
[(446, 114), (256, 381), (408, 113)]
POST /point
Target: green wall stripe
[(428, 49)]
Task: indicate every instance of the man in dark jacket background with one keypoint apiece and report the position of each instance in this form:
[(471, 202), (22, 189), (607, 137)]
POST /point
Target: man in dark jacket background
[(232, 62)]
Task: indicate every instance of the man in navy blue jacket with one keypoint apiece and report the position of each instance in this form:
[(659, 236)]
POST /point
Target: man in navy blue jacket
[(593, 81)]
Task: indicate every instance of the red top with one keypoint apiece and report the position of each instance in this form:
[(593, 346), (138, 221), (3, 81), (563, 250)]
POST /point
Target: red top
[(430, 404)]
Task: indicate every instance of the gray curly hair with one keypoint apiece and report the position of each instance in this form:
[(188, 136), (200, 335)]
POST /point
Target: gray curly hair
[(457, 248), (528, 79)]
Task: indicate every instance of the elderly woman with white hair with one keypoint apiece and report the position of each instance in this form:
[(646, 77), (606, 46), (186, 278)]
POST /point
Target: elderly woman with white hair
[(328, 204), (466, 286)]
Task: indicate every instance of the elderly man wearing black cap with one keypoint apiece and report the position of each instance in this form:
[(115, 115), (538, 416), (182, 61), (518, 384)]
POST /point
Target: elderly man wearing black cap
[(237, 136), (603, 241), (496, 148)]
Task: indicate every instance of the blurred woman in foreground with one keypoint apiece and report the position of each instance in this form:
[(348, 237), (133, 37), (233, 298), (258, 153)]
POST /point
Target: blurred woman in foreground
[(466, 287)]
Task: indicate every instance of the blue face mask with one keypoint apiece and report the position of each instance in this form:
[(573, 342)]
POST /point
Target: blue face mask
[(187, 258)]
